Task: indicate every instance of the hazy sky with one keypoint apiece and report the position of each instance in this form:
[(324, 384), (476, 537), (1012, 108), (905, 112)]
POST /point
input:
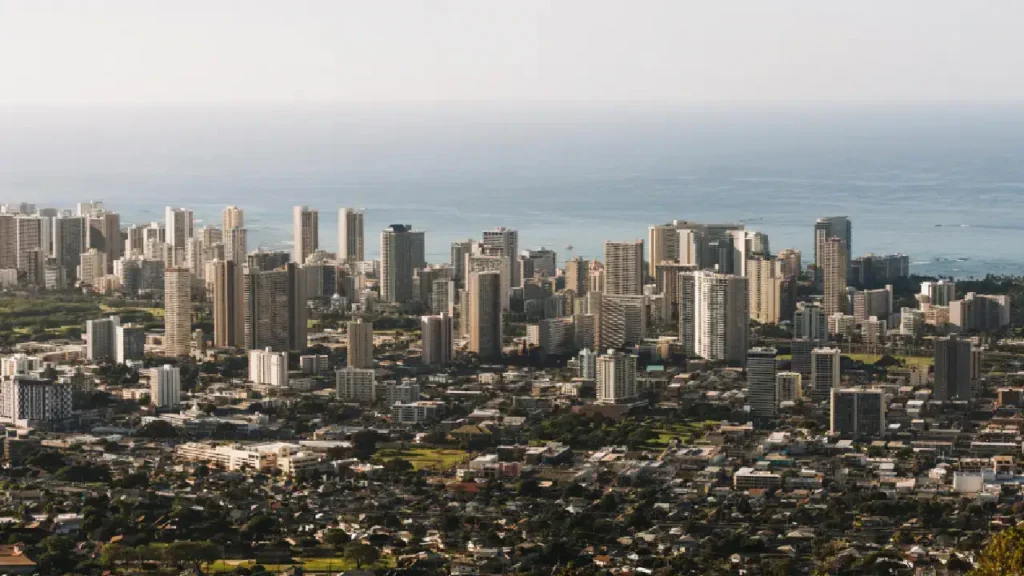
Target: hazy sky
[(480, 50)]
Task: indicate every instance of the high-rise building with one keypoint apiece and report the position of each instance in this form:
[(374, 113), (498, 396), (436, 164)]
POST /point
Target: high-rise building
[(833, 266), (179, 224), (857, 412), (228, 304), (491, 263), (788, 387), (542, 262), (68, 244), (873, 331), (298, 313), (875, 270), (356, 385), (765, 290), (624, 268), (810, 322), (788, 263), (29, 240), (980, 312), (92, 267), (306, 233), (761, 382), (666, 281), (506, 243), (177, 312), (553, 335), (485, 314), (235, 244), (586, 364), (268, 367), (129, 343), (8, 242), (350, 235), (825, 371), (714, 315), (234, 218), (623, 320), (911, 322), (616, 377), (663, 246), (25, 401), (100, 338), (165, 386), (459, 251), (868, 303), (576, 276), (436, 339), (360, 344), (103, 232), (400, 248), (832, 227), (952, 369)]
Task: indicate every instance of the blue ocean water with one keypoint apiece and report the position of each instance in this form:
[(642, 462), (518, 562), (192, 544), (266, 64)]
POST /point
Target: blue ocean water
[(942, 184)]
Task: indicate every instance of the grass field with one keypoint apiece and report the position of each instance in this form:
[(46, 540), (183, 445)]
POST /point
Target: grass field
[(337, 564), (155, 312), (685, 432), (424, 458), (872, 358)]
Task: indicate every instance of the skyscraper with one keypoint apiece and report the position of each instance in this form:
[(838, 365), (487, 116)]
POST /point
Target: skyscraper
[(663, 244), (103, 232), (93, 266), (788, 263), (306, 233), (833, 265), (29, 239), (485, 320), (350, 235), (228, 304), (624, 268), (234, 218), (616, 377), (68, 244), (825, 365), (939, 293), (298, 313), (459, 251), (765, 290), (714, 314), (8, 242), (810, 322), (436, 334), (623, 320), (761, 382), (266, 308), (507, 242), (180, 227), (360, 344), (268, 367), (577, 276), (952, 369), (832, 227), (400, 248), (788, 387), (165, 386), (857, 412), (100, 335), (177, 312)]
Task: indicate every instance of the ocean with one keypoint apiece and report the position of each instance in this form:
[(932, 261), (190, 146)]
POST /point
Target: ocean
[(943, 184)]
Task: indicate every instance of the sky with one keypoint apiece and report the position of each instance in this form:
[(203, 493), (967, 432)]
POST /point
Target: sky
[(388, 51)]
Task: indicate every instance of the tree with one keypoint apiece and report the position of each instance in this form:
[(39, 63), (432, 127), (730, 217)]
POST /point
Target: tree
[(1003, 555), (364, 443), (361, 554), (336, 538), (193, 554), (158, 429), (397, 466)]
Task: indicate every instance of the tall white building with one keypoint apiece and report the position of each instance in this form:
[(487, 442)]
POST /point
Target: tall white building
[(306, 233), (616, 377), (624, 268), (507, 242), (268, 367), (180, 227), (356, 385), (165, 386), (938, 293), (25, 401), (714, 315), (350, 235), (761, 382), (360, 344), (233, 218), (825, 373), (587, 364), (436, 334)]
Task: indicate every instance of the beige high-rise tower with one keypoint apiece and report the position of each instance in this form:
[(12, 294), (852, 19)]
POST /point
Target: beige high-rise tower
[(833, 264), (765, 290), (177, 312), (360, 344), (228, 304), (234, 218), (485, 321), (306, 230), (577, 276), (624, 268), (350, 235)]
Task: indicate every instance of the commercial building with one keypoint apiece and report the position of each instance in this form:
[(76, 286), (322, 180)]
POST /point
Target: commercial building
[(788, 387), (265, 295), (228, 304), (542, 262), (177, 312), (25, 401), (616, 377), (810, 322), (765, 290), (857, 412), (577, 276), (622, 320), (825, 373), (832, 227), (504, 242), (761, 382), (485, 314), (350, 235), (875, 270), (623, 266), (873, 331), (714, 316), (750, 479), (165, 386), (315, 364), (179, 224), (416, 412), (834, 264), (868, 303), (360, 344), (952, 369), (93, 267), (938, 293), (356, 385), (401, 251), (268, 367), (553, 335), (980, 312), (305, 233), (100, 339), (436, 339), (788, 263), (129, 343)]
